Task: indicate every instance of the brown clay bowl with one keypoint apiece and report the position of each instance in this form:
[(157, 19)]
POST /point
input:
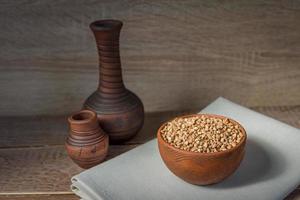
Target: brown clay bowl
[(202, 168)]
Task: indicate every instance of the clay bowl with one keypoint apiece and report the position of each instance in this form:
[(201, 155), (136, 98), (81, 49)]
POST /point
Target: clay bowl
[(202, 168)]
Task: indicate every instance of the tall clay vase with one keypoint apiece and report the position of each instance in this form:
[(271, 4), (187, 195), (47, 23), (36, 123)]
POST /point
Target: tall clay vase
[(121, 112), (86, 144)]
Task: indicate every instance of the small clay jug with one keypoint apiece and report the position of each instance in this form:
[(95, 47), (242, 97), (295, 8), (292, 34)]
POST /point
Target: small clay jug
[(86, 144), (121, 112)]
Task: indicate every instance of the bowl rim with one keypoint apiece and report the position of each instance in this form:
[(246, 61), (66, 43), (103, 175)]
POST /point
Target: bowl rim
[(161, 140)]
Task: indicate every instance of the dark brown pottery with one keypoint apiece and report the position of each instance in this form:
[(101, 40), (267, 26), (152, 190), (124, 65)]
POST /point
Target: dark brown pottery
[(121, 112), (202, 168), (87, 143)]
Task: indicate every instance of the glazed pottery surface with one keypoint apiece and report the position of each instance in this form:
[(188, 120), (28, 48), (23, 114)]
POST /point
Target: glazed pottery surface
[(121, 112), (202, 168), (86, 144)]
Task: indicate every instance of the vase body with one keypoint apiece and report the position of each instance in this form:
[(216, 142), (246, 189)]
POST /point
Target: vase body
[(86, 144), (121, 112)]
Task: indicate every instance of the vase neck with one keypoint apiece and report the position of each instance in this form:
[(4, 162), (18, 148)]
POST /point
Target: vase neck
[(107, 34)]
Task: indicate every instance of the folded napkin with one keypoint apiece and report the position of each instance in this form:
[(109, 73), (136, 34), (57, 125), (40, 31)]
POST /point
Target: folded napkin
[(270, 169)]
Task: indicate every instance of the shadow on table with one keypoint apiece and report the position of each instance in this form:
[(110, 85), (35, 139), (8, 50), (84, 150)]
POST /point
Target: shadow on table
[(260, 164)]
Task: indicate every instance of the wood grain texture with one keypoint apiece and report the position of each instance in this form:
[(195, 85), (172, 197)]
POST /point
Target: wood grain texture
[(176, 55), (293, 196), (41, 169), (32, 131), (39, 197), (46, 170), (52, 130), (287, 114)]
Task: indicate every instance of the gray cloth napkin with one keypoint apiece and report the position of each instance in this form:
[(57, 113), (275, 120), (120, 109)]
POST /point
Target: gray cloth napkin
[(270, 169)]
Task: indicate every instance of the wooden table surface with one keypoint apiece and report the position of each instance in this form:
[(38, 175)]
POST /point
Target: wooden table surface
[(172, 51), (34, 164)]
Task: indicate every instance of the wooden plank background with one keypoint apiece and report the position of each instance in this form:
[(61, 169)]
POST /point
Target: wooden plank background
[(176, 55)]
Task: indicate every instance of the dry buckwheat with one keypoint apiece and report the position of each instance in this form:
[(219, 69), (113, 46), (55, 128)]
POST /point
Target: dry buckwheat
[(202, 134)]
